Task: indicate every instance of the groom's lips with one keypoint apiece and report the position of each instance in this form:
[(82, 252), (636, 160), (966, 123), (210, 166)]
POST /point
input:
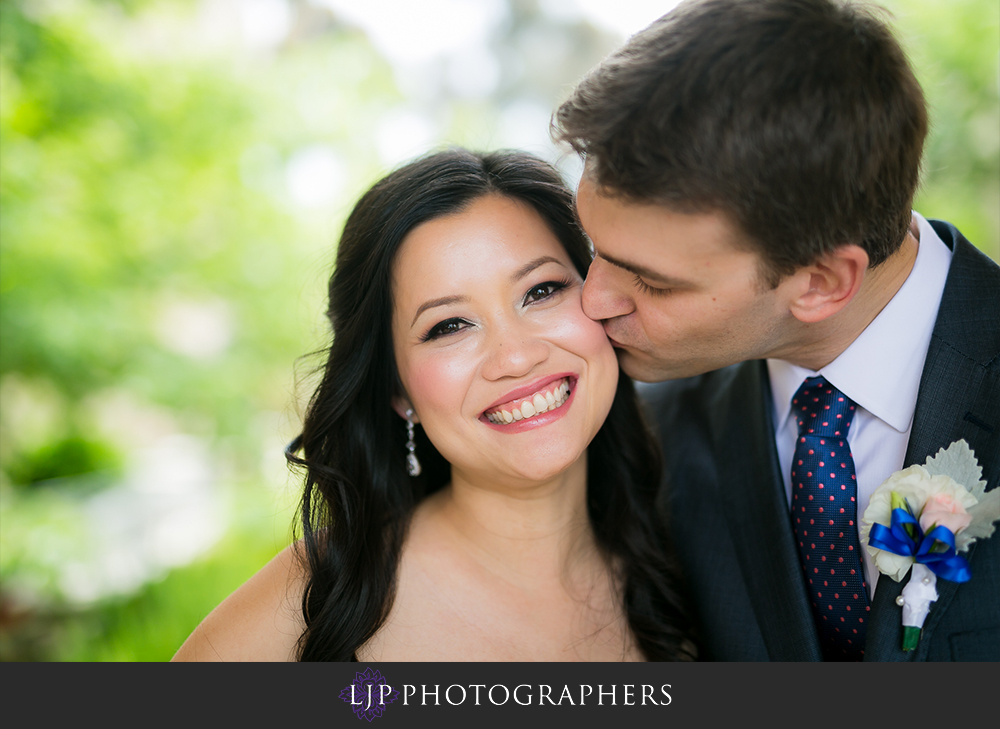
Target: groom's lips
[(614, 342)]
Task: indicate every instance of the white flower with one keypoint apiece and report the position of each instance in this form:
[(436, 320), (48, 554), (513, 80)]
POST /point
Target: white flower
[(947, 491), (917, 486)]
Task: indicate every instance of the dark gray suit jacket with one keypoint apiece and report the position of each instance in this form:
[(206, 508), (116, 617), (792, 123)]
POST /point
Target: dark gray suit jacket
[(726, 510)]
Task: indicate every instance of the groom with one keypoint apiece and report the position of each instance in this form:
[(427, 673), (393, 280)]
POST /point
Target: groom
[(749, 174)]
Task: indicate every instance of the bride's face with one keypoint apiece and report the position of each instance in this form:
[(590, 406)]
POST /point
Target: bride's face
[(505, 372)]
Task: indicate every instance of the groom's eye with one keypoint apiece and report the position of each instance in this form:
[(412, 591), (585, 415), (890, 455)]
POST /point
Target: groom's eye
[(651, 290)]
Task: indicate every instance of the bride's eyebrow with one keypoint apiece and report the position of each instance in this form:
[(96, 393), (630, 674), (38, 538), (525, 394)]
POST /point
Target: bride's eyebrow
[(532, 265), (443, 301)]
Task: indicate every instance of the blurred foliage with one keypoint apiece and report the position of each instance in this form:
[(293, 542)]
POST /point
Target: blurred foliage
[(156, 276), (70, 456), (159, 277), (147, 626), (955, 49), (121, 196)]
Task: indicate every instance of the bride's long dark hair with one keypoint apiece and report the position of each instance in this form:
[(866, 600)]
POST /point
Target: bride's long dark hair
[(358, 496)]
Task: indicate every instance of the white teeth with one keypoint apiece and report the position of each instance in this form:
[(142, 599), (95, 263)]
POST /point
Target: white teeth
[(540, 402)]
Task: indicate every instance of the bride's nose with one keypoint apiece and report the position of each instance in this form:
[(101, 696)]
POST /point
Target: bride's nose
[(513, 352)]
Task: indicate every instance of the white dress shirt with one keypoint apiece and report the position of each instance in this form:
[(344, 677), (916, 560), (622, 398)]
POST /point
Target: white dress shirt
[(880, 371)]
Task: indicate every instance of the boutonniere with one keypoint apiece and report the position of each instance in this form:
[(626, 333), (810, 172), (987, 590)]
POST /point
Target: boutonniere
[(922, 518)]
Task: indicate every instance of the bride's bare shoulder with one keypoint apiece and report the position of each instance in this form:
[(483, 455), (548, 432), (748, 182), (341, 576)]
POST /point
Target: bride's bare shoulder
[(260, 621)]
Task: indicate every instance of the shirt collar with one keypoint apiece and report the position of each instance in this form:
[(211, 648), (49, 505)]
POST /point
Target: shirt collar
[(881, 369)]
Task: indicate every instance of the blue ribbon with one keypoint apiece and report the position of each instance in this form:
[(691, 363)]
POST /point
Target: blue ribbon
[(936, 549), (896, 538)]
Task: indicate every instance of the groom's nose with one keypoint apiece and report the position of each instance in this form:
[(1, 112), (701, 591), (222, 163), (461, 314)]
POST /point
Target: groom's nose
[(605, 295)]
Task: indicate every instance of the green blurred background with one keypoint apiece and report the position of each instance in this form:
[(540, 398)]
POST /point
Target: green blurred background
[(173, 176)]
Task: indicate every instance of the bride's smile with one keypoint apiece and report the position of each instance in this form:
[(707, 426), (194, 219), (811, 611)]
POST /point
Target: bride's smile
[(503, 370), (527, 405)]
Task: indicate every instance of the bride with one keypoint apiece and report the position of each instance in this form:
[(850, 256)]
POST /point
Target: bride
[(479, 483)]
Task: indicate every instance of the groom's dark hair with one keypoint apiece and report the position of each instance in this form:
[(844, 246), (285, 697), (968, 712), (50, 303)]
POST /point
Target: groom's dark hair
[(801, 120)]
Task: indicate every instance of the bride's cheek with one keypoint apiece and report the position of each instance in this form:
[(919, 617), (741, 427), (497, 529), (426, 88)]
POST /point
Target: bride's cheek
[(591, 333), (432, 381)]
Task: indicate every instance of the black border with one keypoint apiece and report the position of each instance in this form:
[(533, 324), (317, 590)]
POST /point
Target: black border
[(772, 694)]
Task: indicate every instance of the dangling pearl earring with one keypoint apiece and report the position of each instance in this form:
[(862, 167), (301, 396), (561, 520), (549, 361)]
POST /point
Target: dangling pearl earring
[(412, 464)]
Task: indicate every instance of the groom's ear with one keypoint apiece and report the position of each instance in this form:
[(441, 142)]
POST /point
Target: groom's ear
[(401, 403), (825, 287)]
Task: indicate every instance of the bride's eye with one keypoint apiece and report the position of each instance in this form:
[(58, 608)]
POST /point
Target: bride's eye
[(443, 329), (542, 291)]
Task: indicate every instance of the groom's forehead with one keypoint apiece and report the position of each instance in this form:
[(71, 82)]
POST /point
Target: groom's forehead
[(603, 210)]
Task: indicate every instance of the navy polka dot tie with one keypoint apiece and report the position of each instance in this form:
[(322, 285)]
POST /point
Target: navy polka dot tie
[(824, 516)]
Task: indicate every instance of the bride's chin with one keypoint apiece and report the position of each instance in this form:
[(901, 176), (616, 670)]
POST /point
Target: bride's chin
[(546, 468)]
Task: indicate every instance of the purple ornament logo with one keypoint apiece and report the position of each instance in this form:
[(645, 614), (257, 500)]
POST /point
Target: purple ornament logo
[(369, 694)]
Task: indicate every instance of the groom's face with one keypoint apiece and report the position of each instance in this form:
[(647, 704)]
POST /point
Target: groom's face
[(677, 293)]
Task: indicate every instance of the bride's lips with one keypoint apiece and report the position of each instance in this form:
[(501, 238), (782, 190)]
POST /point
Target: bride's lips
[(560, 390)]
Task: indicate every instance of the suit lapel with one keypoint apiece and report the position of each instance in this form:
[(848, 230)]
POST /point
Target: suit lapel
[(951, 386), (937, 423), (757, 513)]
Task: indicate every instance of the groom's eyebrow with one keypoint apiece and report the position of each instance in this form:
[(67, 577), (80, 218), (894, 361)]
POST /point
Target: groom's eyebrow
[(646, 273)]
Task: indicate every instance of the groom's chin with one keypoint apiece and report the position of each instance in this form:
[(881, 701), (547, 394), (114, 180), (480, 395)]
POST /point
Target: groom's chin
[(640, 366), (644, 367)]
